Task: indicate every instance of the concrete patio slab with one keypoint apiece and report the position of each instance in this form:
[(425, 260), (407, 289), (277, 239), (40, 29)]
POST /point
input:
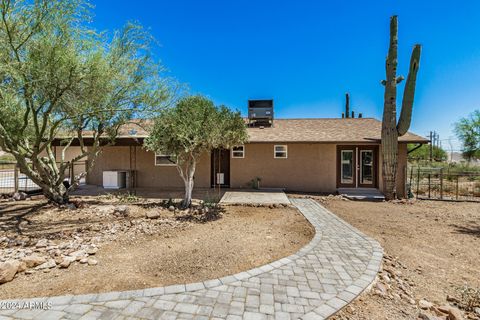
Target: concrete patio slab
[(366, 194), (255, 197)]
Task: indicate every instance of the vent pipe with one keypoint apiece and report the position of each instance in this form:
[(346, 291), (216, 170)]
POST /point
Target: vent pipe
[(347, 105)]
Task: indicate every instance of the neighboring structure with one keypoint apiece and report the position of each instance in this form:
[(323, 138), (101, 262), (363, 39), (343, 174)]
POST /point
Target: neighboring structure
[(311, 155), (457, 157)]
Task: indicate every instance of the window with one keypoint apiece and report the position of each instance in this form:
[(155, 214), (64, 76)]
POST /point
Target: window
[(164, 160), (280, 152), (346, 166), (238, 152)]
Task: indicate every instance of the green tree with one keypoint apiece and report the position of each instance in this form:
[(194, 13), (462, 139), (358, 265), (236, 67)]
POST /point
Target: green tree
[(193, 127), (423, 153), (60, 79), (468, 131)]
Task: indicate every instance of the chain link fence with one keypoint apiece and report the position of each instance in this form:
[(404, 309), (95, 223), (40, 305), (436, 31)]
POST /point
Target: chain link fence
[(442, 184)]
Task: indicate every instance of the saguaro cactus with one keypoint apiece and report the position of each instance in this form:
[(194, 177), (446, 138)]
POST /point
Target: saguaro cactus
[(390, 129)]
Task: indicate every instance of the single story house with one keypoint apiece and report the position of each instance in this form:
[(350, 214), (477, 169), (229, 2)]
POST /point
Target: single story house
[(309, 155)]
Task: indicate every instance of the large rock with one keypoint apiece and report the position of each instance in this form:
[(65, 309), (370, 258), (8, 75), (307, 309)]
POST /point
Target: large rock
[(152, 214), (33, 260), (453, 313), (424, 304), (18, 196), (79, 254), (105, 210), (121, 210), (8, 270), (92, 262), (427, 316), (66, 262), (91, 250), (47, 265), (42, 243)]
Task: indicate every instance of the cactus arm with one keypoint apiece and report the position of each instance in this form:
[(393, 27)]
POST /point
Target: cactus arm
[(409, 92)]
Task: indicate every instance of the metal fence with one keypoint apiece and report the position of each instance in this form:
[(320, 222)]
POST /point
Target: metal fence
[(442, 184), (13, 180)]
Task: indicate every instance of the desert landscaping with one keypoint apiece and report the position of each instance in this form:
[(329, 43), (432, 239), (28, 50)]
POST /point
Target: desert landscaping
[(123, 243), (431, 259), (262, 160)]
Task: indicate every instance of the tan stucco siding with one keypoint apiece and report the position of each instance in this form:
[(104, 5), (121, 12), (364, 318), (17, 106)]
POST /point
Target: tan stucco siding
[(143, 163), (309, 167)]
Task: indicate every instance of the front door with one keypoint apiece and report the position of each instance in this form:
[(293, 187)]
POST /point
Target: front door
[(357, 166), (220, 168)]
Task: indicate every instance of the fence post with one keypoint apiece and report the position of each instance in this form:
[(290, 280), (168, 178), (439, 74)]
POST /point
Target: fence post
[(429, 186), (441, 183), (457, 188), (15, 178), (418, 181)]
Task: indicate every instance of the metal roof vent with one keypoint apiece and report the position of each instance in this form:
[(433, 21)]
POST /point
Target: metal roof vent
[(132, 132), (260, 113)]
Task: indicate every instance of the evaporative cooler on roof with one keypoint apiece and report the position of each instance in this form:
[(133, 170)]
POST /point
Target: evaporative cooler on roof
[(260, 112)]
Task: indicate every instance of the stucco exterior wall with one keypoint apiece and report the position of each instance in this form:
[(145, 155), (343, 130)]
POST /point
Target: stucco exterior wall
[(309, 167), (143, 163)]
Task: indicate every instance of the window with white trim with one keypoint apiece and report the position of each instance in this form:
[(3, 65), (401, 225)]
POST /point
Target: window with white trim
[(238, 152), (280, 151), (164, 160)]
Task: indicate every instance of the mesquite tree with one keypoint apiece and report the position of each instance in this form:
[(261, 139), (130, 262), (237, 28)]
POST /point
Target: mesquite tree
[(193, 127), (60, 79), (468, 132), (391, 130)]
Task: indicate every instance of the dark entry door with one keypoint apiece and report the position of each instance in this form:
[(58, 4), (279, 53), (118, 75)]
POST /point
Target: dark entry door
[(220, 168)]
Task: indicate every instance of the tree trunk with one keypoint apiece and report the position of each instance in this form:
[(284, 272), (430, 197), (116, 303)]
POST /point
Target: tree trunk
[(187, 174), (56, 194), (47, 177)]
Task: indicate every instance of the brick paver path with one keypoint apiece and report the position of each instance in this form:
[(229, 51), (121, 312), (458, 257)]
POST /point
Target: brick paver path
[(317, 281)]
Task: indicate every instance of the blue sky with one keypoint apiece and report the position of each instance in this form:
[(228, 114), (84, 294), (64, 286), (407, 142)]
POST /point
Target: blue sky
[(307, 54)]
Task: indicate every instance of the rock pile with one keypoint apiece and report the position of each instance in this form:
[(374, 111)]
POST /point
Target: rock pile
[(43, 256), (394, 290), (453, 310), (27, 254), (17, 196)]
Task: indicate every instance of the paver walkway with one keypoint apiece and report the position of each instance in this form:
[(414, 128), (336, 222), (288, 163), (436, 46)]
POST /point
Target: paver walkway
[(317, 281)]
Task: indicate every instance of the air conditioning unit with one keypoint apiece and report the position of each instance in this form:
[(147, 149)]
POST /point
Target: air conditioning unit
[(260, 112), (115, 179)]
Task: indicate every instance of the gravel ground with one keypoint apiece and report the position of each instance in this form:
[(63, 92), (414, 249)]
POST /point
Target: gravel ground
[(140, 252), (432, 246)]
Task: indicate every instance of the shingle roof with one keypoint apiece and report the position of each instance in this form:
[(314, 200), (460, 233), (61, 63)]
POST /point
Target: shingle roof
[(315, 130), (325, 130), (306, 130)]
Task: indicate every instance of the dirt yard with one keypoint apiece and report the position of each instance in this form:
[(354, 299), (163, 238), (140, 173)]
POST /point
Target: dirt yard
[(105, 245), (432, 249)]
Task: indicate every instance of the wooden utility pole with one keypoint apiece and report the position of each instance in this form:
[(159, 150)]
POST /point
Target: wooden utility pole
[(431, 146)]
